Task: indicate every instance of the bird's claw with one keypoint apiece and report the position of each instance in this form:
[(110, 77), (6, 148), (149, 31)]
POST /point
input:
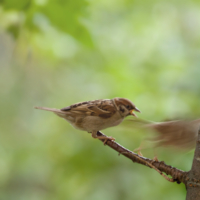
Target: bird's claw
[(108, 138), (138, 150), (156, 159)]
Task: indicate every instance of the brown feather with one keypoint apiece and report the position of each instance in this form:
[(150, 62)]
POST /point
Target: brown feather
[(180, 133), (49, 109), (124, 102), (101, 108)]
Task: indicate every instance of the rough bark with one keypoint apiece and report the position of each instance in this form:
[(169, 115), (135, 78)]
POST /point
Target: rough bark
[(176, 174), (193, 179)]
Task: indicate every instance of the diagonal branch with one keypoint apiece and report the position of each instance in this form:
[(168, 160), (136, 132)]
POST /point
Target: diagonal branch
[(176, 174)]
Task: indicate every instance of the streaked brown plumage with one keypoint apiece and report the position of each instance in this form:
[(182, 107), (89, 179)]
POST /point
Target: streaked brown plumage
[(93, 116)]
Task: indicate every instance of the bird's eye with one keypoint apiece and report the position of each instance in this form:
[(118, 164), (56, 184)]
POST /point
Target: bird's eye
[(127, 106)]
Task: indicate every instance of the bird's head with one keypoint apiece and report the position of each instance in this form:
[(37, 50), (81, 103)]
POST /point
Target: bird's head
[(125, 107)]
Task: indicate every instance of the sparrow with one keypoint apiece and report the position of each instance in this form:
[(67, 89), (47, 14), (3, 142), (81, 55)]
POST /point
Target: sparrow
[(178, 134), (96, 115), (181, 134)]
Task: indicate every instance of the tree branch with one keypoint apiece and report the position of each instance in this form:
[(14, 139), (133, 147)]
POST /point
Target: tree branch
[(193, 179), (176, 174)]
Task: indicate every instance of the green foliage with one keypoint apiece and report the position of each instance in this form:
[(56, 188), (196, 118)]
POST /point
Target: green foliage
[(16, 5), (66, 16), (70, 51)]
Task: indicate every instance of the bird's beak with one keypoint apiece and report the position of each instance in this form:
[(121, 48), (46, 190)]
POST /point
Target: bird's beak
[(137, 110), (132, 111)]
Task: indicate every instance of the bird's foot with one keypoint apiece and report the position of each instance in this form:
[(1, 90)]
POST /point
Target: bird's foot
[(105, 138), (138, 150), (156, 159)]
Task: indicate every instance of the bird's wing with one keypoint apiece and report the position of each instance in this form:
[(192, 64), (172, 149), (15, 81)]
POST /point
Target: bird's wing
[(101, 108), (179, 133)]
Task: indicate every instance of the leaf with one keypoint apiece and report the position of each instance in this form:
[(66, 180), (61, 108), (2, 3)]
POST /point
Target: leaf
[(66, 16)]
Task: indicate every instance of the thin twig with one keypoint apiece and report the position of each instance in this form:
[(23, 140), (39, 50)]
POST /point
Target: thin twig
[(176, 174), (150, 165)]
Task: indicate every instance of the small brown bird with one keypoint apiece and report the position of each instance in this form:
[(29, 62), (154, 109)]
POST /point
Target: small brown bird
[(178, 134), (93, 116), (181, 134)]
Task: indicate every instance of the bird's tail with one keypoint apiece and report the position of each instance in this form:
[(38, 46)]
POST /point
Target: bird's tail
[(56, 111)]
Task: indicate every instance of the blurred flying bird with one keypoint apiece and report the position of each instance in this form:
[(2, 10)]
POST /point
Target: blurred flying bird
[(179, 134)]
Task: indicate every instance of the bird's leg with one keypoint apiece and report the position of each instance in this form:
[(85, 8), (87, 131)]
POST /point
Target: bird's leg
[(155, 156), (138, 150), (105, 138)]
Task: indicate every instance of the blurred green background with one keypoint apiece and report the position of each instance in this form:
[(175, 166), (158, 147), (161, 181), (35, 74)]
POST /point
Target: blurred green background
[(55, 53)]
